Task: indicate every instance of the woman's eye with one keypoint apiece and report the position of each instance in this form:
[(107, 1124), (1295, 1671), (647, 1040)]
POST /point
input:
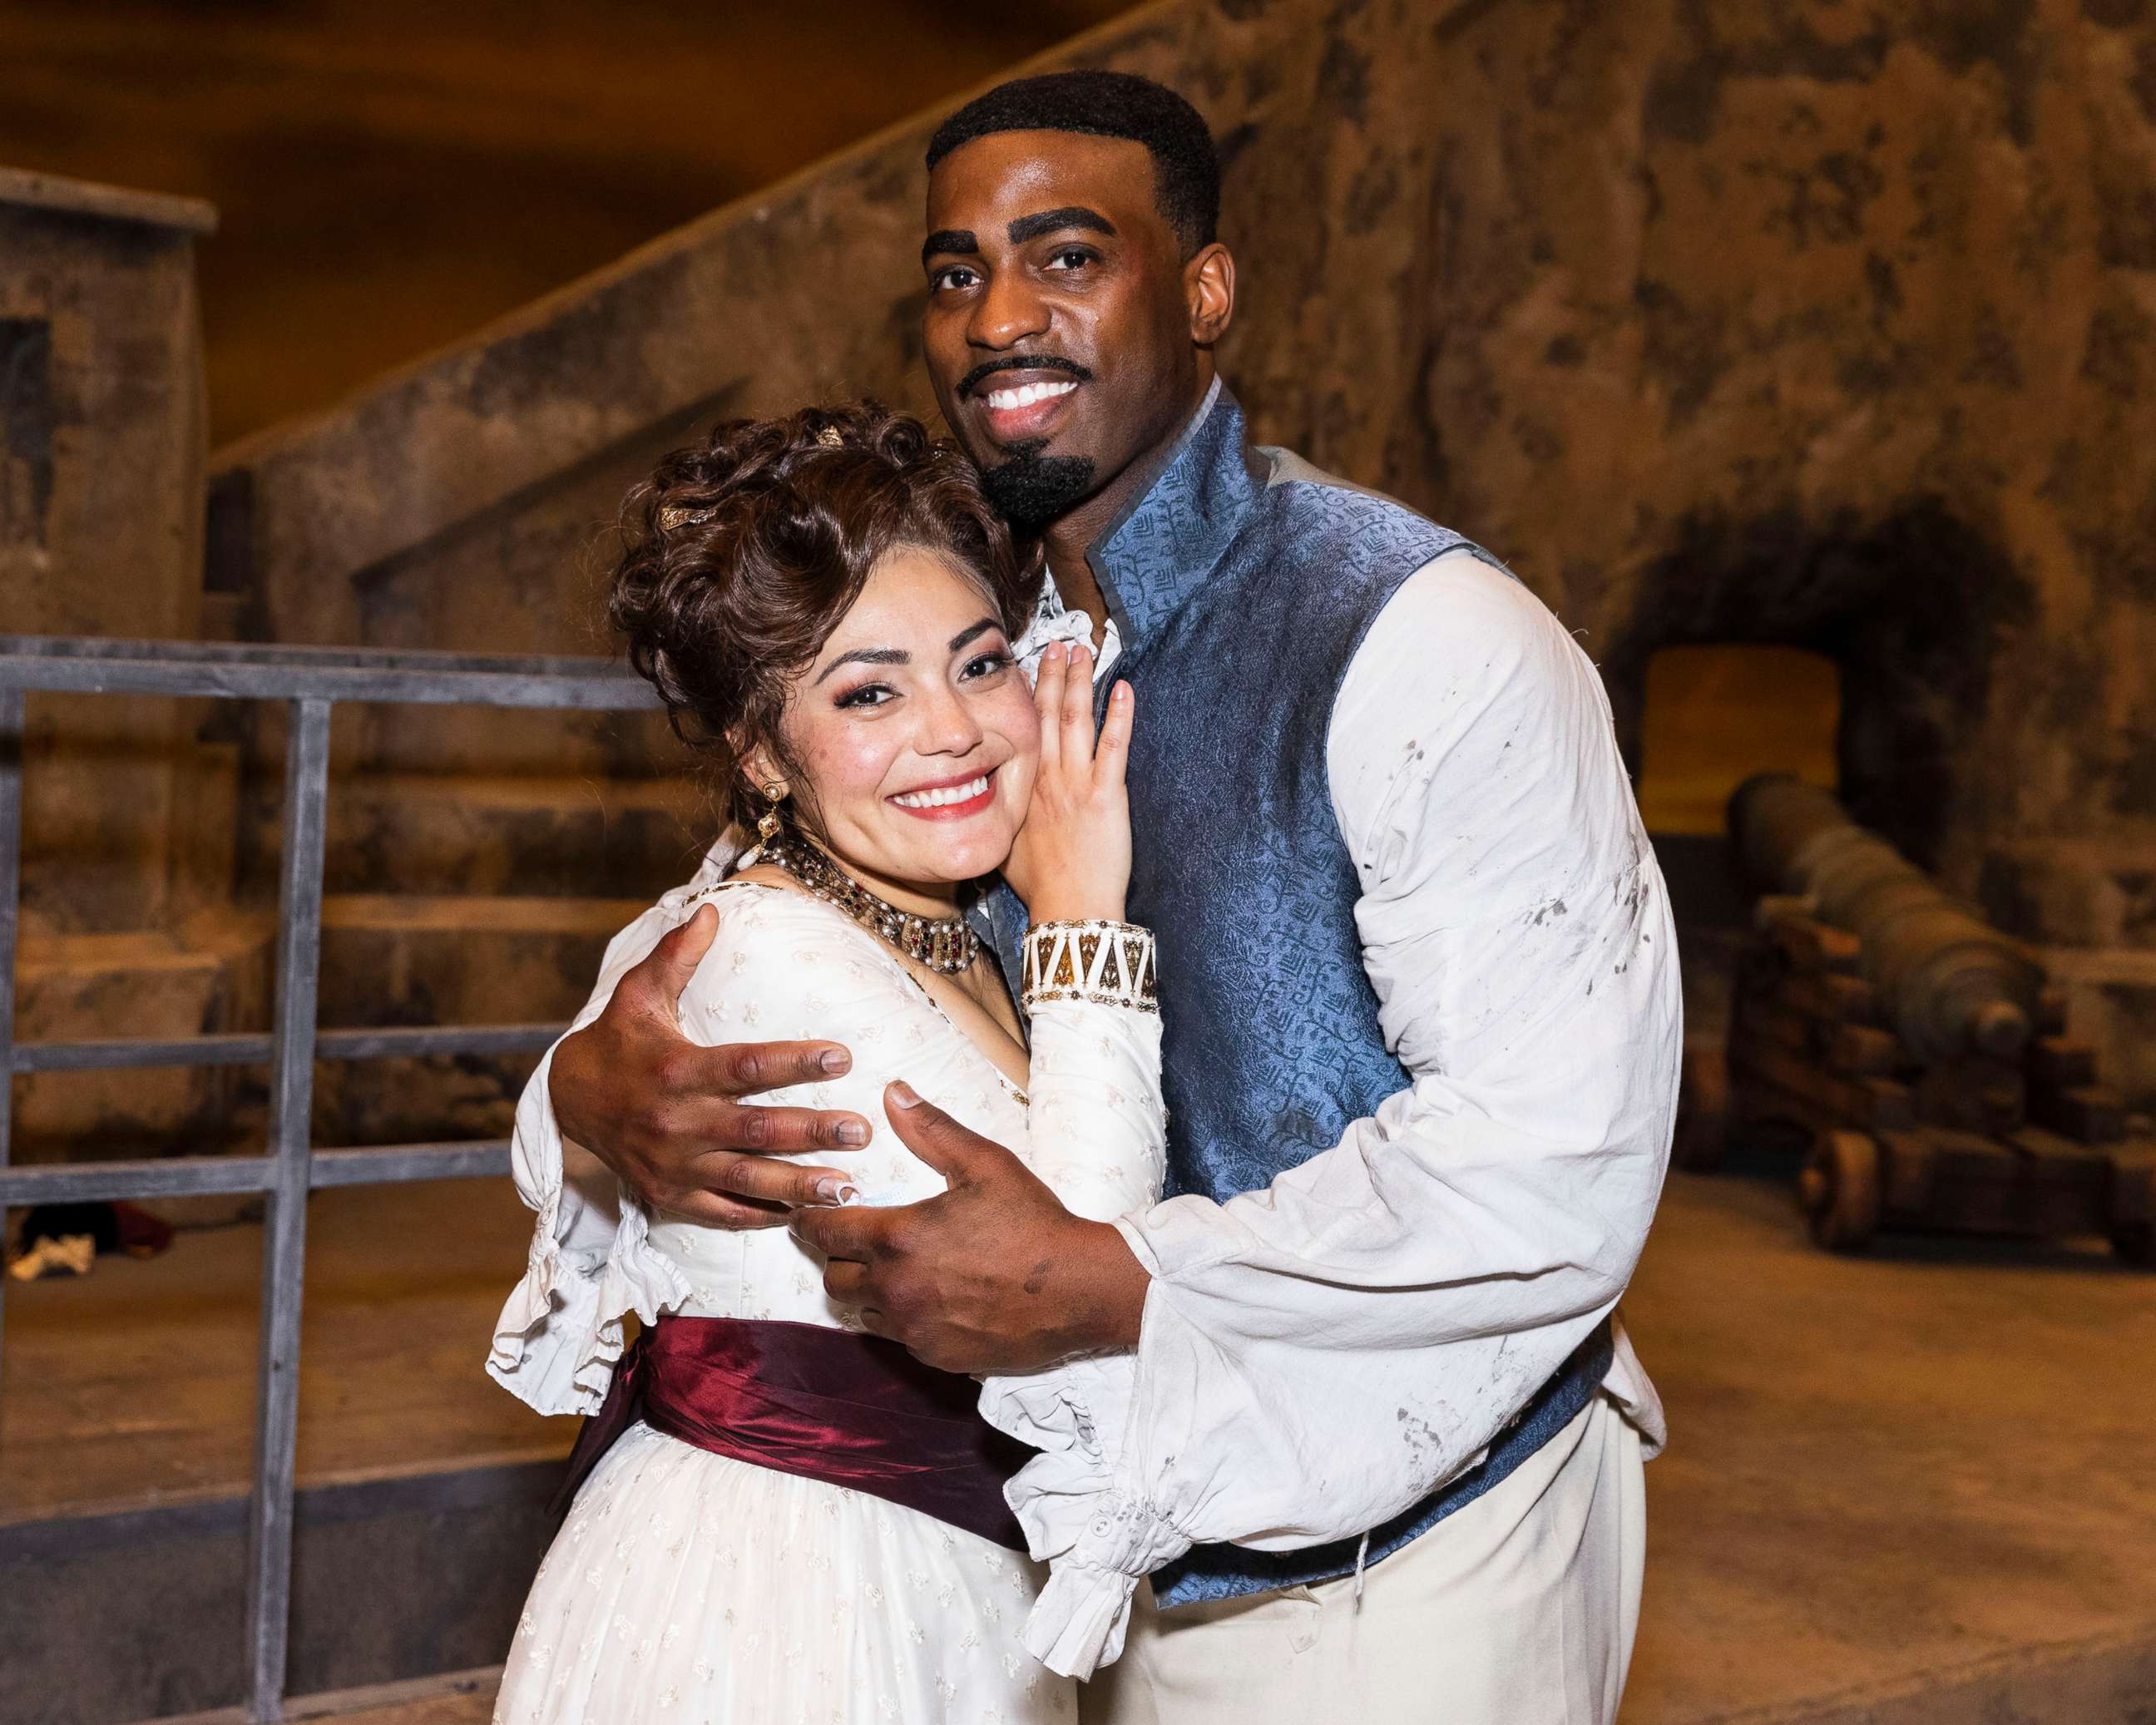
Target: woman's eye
[(987, 665), (868, 695)]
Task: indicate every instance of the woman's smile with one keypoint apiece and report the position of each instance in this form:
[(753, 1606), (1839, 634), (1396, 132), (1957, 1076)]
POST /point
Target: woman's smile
[(952, 799)]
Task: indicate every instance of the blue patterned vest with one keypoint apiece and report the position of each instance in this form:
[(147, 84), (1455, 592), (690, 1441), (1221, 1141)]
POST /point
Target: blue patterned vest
[(1242, 581)]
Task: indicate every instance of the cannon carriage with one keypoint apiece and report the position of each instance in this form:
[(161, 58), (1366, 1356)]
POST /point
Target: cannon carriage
[(1917, 1050)]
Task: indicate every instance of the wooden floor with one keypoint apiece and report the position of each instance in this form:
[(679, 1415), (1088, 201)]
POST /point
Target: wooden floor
[(471, 1707), (1899, 1468), (1910, 1470), (136, 1384)]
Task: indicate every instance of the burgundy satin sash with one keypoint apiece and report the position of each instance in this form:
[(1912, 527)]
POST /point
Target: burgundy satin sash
[(828, 1404)]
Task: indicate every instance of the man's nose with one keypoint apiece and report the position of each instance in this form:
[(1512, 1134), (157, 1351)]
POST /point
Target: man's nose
[(1010, 312)]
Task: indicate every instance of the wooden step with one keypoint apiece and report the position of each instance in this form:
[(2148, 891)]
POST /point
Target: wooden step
[(522, 835), (387, 959)]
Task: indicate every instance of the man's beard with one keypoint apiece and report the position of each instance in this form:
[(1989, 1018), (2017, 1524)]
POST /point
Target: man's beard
[(1031, 490)]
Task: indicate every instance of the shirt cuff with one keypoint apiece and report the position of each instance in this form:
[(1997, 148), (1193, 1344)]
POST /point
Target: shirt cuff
[(1180, 1237), (1098, 1536)]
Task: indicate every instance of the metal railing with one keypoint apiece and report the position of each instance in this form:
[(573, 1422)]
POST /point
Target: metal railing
[(311, 680)]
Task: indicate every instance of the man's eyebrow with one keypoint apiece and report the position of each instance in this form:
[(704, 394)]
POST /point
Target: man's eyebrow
[(974, 633), (959, 241), (866, 655), (1071, 215)]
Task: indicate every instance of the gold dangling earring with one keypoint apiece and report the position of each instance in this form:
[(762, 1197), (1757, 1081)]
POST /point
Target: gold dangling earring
[(767, 826)]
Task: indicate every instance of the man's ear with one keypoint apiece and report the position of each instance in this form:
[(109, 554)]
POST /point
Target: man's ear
[(1209, 284)]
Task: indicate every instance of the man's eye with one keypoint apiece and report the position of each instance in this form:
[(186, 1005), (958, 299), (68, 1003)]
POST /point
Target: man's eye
[(1073, 256), (868, 695), (953, 275)]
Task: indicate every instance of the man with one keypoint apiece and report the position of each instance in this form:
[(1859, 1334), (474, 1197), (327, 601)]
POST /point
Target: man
[(1419, 994)]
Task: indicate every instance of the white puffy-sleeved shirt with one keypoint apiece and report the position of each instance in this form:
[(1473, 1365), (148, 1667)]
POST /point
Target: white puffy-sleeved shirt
[(1318, 1356)]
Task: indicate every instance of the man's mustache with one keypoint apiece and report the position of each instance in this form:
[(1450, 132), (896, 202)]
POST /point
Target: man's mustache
[(1022, 362)]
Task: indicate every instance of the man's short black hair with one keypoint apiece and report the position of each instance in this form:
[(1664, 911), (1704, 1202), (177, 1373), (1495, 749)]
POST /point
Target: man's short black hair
[(1108, 104)]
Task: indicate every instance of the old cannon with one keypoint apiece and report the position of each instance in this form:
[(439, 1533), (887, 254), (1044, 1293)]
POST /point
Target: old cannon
[(1950, 983), (1916, 1048)]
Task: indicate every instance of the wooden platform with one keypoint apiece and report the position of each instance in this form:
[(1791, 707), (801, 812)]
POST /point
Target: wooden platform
[(1924, 1472), (1914, 1487), (134, 1385)]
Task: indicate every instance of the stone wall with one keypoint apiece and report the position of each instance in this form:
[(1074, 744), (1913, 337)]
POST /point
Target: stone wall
[(100, 522), (130, 805), (1819, 323), (1830, 325)]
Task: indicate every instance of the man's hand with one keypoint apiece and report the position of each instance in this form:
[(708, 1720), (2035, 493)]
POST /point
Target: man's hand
[(665, 1114), (993, 1275)]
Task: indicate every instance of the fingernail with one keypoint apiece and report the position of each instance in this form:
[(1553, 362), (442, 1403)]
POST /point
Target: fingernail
[(834, 1060), (833, 1191), (902, 1095), (852, 1131)]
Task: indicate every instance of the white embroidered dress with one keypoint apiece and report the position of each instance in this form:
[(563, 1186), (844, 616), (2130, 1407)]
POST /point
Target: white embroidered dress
[(691, 1586)]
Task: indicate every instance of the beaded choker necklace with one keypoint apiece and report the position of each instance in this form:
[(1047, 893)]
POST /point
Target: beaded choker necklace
[(946, 945)]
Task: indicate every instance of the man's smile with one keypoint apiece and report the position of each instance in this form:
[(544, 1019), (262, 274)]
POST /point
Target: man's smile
[(1025, 395), (1019, 397), (1020, 409)]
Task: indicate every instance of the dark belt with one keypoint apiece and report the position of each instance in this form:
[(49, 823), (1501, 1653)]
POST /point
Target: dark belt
[(1227, 1571), (827, 1405)]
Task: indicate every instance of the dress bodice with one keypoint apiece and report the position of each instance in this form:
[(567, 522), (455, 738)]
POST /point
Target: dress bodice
[(785, 967)]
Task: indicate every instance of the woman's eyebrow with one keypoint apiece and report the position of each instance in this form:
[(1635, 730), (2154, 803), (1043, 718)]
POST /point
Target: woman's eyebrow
[(866, 655), (973, 633)]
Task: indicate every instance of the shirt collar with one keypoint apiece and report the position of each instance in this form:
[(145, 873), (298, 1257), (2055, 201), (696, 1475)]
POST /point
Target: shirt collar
[(1173, 533)]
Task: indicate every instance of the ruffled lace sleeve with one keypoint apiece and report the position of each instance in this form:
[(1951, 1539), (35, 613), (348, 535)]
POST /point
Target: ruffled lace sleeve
[(1097, 1135), (588, 1264), (781, 966)]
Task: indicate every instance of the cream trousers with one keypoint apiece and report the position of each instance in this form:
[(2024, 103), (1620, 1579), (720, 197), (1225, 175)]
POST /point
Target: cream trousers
[(1519, 1609)]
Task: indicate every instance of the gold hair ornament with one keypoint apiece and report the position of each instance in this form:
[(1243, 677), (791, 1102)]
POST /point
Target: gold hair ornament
[(675, 516)]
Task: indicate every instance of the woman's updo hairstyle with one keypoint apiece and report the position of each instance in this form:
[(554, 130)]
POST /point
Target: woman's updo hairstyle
[(741, 554)]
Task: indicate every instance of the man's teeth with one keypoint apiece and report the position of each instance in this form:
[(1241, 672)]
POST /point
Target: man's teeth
[(950, 793), (1005, 399)]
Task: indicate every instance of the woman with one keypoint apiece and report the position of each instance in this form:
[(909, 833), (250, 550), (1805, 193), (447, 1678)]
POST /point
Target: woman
[(791, 1519)]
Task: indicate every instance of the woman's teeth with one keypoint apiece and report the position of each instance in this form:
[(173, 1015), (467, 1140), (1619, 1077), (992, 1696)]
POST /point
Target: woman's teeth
[(1003, 400), (949, 793)]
